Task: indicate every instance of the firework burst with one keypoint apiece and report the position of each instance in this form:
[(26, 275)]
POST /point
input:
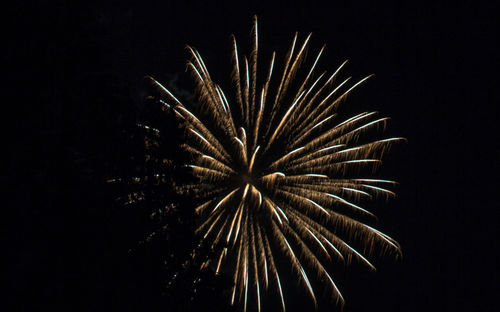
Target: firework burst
[(281, 172)]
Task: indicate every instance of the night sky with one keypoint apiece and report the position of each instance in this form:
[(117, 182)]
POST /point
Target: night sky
[(77, 72)]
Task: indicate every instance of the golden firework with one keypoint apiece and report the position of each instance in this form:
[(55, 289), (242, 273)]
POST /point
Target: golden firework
[(280, 170)]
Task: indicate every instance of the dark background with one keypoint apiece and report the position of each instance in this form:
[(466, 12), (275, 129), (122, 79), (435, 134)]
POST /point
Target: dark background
[(76, 72)]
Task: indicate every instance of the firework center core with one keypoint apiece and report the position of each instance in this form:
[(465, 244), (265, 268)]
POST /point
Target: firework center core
[(246, 179)]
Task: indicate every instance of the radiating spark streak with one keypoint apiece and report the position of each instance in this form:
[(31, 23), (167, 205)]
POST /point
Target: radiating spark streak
[(258, 296), (285, 71), (295, 65), (239, 141), (332, 246), (348, 150), (232, 296), (213, 172), (260, 197), (304, 45), (236, 271), (322, 122), (271, 140), (285, 158), (281, 292), (335, 287), (236, 77), (200, 136), (356, 118), (317, 205), (252, 160), (357, 84), (189, 113), (217, 162), (383, 236), (379, 189), (225, 199), (243, 134), (164, 103), (148, 128), (304, 111), (273, 207), (178, 114), (219, 262), (277, 215), (224, 98), (331, 147), (165, 90), (391, 139), (221, 100), (246, 91), (310, 71), (311, 101), (316, 175), (265, 270), (360, 256), (215, 145), (357, 191), (263, 100), (325, 100), (272, 266), (319, 242), (230, 116), (202, 207), (261, 103), (314, 84), (238, 212), (245, 191), (338, 99), (282, 213), (340, 67), (376, 180), (210, 91), (289, 248), (271, 67), (305, 220), (244, 239), (212, 226), (238, 226), (315, 62), (307, 282), (304, 275), (193, 67), (295, 151), (246, 289), (259, 117), (206, 84), (307, 131), (261, 251), (371, 123), (350, 204), (359, 161), (198, 59), (254, 57), (254, 258), (313, 156), (279, 91), (243, 146)]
